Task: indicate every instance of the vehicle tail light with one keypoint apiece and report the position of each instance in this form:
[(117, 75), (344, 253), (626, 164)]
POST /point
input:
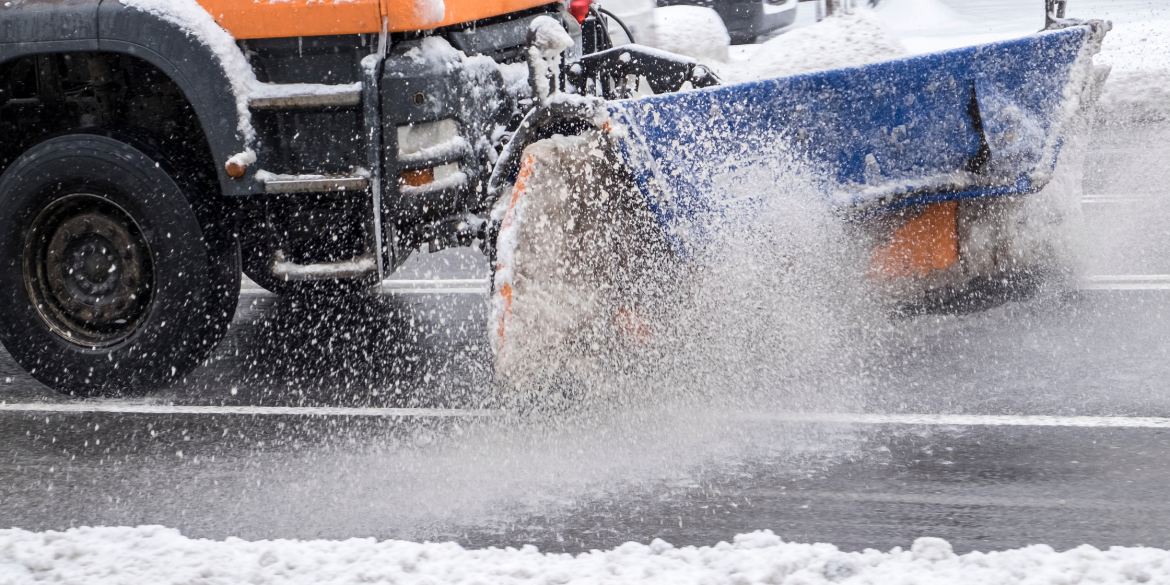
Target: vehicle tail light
[(580, 9)]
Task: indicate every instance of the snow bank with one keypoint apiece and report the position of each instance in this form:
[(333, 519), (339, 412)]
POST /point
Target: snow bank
[(694, 31), (929, 26), (1139, 86), (153, 554), (1136, 94), (921, 16), (839, 41), (1138, 46)]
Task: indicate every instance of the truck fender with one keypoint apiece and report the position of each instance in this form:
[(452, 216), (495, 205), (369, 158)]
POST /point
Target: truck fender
[(29, 27)]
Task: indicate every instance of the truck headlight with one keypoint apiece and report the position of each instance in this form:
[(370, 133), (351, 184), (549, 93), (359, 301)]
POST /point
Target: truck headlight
[(429, 150)]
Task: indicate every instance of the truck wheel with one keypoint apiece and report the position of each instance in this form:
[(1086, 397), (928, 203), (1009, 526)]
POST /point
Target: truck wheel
[(108, 282)]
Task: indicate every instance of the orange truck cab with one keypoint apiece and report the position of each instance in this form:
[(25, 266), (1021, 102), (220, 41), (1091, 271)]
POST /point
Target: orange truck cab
[(304, 18)]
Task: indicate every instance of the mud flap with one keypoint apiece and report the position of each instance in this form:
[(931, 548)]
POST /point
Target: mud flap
[(923, 244)]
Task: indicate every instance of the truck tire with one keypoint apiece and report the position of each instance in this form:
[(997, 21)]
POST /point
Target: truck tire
[(109, 284)]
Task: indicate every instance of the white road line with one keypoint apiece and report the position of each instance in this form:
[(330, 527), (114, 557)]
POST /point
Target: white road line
[(1130, 277), (407, 291), (1114, 198), (479, 286), (1021, 420), (454, 286), (397, 284), (1126, 282), (113, 407), (971, 501), (116, 407), (436, 291), (1126, 286)]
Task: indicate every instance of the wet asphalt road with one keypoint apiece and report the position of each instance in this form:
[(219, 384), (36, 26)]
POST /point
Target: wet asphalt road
[(857, 486), (693, 478)]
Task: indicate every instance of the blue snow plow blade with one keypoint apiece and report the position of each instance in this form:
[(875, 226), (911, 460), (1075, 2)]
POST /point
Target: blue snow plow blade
[(983, 121)]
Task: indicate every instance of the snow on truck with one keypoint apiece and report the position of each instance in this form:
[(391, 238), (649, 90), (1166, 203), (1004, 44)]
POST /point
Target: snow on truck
[(154, 149)]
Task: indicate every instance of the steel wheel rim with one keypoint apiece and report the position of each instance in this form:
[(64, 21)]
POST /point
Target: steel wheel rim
[(89, 270)]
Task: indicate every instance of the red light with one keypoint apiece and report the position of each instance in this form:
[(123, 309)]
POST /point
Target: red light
[(580, 9)]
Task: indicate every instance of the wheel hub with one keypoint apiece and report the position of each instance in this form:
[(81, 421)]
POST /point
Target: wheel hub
[(89, 270)]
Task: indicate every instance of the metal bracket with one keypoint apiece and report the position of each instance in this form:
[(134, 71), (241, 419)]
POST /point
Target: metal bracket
[(979, 162), (664, 72), (372, 120), (1054, 14), (565, 118)]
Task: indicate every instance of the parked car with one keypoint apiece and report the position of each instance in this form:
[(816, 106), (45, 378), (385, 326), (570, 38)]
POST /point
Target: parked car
[(746, 19)]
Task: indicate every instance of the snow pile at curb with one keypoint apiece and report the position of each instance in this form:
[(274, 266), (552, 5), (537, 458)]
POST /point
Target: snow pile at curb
[(1138, 51), (840, 41), (1138, 46), (153, 554), (1136, 94)]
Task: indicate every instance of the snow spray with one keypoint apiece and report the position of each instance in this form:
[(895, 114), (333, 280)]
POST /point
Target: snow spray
[(597, 308)]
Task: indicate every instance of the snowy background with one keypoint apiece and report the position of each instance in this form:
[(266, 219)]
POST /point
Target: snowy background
[(1138, 49)]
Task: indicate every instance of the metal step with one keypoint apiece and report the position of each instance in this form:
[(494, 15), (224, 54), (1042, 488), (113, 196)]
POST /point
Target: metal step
[(359, 267), (313, 183), (305, 95)]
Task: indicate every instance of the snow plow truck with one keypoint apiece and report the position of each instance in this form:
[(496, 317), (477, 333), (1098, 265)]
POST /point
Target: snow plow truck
[(155, 149)]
